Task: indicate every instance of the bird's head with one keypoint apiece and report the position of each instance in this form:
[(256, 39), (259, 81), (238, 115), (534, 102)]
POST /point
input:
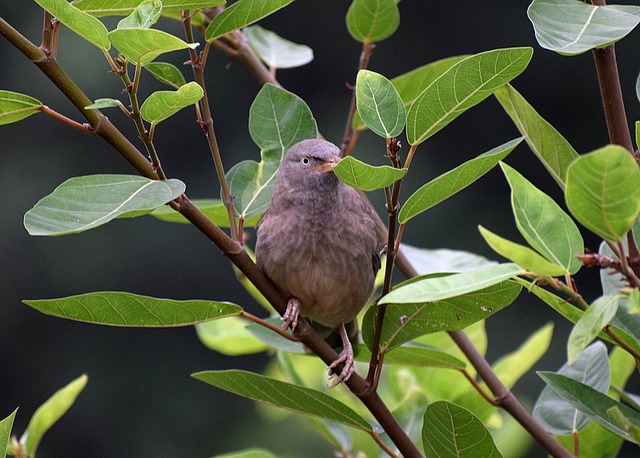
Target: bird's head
[(308, 166)]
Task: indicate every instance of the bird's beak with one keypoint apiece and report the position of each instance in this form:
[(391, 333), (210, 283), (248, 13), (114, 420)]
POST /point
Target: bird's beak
[(328, 165)]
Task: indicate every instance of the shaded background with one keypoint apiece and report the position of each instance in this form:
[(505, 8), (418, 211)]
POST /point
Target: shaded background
[(140, 400)]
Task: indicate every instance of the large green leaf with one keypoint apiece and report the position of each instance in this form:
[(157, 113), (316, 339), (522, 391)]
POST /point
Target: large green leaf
[(603, 191), (541, 221), (144, 16), (558, 416), (49, 413), (379, 104), (553, 150), (83, 203), (241, 14), (429, 289), (522, 255), (230, 337), (6, 425), (142, 46), (463, 86), (214, 209), (572, 27), (370, 21), (15, 107), (275, 51), (452, 431), (85, 25), (284, 395), (406, 321), (278, 119), (367, 177), (409, 85), (115, 308), (124, 7), (592, 402), (591, 323), (453, 181), (162, 104)]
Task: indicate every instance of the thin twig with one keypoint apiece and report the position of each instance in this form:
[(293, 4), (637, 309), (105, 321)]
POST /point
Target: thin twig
[(84, 128), (347, 146), (207, 126), (266, 324), (381, 444), (479, 388)]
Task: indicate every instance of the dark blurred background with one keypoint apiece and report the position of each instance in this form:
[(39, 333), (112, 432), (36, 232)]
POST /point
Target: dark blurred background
[(140, 400)]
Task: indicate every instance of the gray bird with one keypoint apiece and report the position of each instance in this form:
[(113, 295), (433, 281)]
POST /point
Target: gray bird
[(318, 243)]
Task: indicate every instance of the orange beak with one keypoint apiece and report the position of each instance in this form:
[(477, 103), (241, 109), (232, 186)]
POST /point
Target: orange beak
[(328, 166)]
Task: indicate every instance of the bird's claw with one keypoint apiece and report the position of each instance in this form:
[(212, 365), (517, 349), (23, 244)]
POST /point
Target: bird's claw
[(291, 314), (346, 358)]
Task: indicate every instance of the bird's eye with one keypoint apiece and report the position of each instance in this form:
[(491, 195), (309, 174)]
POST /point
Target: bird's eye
[(305, 161)]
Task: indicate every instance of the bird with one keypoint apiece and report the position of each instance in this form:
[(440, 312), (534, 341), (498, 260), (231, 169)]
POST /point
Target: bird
[(318, 242)]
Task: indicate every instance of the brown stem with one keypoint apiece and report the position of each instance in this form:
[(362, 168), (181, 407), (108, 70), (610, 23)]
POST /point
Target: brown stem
[(478, 388), (68, 121), (347, 145), (207, 126), (47, 32), (268, 325)]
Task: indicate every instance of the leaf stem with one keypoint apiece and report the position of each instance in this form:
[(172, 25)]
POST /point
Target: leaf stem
[(347, 145), (479, 388), (207, 126), (381, 444), (268, 325), (85, 128)]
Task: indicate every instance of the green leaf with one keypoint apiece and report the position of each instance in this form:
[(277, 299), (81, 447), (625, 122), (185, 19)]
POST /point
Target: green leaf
[(426, 261), (602, 442), (241, 14), (144, 16), (163, 104), (275, 51), (429, 289), (409, 85), (367, 177), (115, 308), (284, 395), (379, 104), (213, 209), (83, 203), (452, 431), (558, 416), (603, 191), (541, 221), (406, 321), (591, 402), (124, 7), (5, 432), (50, 412), (593, 320), (524, 256), (410, 415), (553, 150), (573, 314), (571, 27), (413, 356), (229, 337), (464, 85), (278, 119), (142, 46), (453, 181), (85, 25), (370, 21), (15, 107), (166, 73), (100, 104), (274, 340)]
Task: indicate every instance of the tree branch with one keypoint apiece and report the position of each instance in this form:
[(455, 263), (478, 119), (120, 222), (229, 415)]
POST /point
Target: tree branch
[(229, 248)]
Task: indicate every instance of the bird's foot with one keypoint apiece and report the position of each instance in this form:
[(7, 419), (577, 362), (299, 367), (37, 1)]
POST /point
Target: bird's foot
[(345, 357), (291, 315)]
